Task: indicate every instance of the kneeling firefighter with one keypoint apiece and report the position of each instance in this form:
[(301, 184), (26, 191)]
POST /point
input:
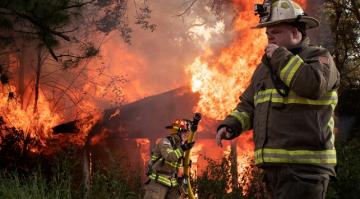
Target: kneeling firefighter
[(166, 158)]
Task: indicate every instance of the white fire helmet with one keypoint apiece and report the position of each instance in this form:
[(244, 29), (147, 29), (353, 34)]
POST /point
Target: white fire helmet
[(279, 11)]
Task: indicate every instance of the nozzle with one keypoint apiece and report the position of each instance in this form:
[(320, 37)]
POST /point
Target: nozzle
[(197, 117), (195, 122)]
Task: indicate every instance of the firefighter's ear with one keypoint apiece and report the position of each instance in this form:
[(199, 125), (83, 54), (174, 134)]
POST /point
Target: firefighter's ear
[(296, 34)]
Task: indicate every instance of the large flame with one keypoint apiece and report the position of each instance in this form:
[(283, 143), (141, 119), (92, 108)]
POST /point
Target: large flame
[(38, 125), (221, 78)]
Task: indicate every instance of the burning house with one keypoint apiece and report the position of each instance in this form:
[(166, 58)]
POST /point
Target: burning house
[(213, 81)]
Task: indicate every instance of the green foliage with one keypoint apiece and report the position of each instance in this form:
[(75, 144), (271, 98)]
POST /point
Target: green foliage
[(56, 181), (214, 181), (344, 19), (116, 181), (217, 177), (143, 19), (61, 177), (5, 23), (35, 186), (348, 173)]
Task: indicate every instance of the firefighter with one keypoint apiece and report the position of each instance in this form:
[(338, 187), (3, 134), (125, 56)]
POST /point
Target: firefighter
[(289, 105), (166, 159)]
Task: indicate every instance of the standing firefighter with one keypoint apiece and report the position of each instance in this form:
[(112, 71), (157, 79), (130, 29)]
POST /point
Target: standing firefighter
[(166, 159), (289, 105)]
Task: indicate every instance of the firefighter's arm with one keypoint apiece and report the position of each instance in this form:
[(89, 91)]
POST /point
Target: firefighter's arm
[(310, 77), (168, 153), (240, 119)]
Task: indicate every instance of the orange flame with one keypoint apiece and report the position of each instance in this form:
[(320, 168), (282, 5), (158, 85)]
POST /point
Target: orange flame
[(38, 125), (220, 79), (143, 144)]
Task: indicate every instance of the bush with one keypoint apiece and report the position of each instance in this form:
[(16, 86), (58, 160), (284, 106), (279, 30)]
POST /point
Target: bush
[(348, 172), (215, 181), (116, 181)]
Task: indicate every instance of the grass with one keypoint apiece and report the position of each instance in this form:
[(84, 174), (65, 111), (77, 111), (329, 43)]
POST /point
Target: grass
[(61, 178)]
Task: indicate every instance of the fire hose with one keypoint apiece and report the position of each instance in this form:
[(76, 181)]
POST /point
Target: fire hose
[(194, 124)]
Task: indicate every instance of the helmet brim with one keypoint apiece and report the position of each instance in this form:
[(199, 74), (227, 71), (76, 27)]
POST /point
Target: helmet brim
[(309, 21)]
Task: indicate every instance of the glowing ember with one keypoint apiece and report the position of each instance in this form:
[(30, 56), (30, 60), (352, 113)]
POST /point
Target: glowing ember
[(96, 139)]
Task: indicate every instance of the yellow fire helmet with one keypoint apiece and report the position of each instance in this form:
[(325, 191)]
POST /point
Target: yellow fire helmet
[(280, 11), (180, 125)]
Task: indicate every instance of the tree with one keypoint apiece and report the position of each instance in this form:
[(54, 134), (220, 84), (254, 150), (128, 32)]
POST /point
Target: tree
[(58, 31), (344, 18)]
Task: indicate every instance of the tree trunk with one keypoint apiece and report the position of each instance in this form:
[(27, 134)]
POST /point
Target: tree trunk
[(37, 78), (87, 169), (233, 169), (21, 74)]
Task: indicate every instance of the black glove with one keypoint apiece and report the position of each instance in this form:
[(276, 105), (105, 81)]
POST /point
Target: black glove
[(187, 146)]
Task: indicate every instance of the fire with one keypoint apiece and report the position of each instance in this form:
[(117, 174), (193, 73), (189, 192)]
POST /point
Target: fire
[(143, 144), (221, 78), (38, 125), (194, 156)]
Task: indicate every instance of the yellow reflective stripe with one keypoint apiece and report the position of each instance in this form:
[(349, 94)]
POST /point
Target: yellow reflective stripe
[(331, 125), (329, 98), (176, 164), (296, 161), (291, 62), (295, 156), (153, 157), (243, 118), (164, 180), (177, 152), (288, 72), (298, 152)]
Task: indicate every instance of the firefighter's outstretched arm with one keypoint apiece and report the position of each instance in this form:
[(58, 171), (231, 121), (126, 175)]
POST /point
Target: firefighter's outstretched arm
[(240, 119)]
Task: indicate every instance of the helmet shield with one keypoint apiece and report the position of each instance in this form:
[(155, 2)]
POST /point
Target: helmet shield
[(180, 125), (282, 11), (264, 11)]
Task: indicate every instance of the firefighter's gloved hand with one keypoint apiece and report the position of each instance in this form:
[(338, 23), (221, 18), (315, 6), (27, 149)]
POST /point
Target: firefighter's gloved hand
[(270, 48), (223, 133), (187, 146)]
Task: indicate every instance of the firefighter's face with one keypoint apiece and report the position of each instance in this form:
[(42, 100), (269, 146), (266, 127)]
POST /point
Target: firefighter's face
[(283, 35), (185, 135)]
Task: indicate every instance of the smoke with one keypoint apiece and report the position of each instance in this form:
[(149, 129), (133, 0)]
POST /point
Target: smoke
[(155, 61)]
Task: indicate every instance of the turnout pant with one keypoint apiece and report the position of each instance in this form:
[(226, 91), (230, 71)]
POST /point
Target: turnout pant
[(284, 182), (155, 190)]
